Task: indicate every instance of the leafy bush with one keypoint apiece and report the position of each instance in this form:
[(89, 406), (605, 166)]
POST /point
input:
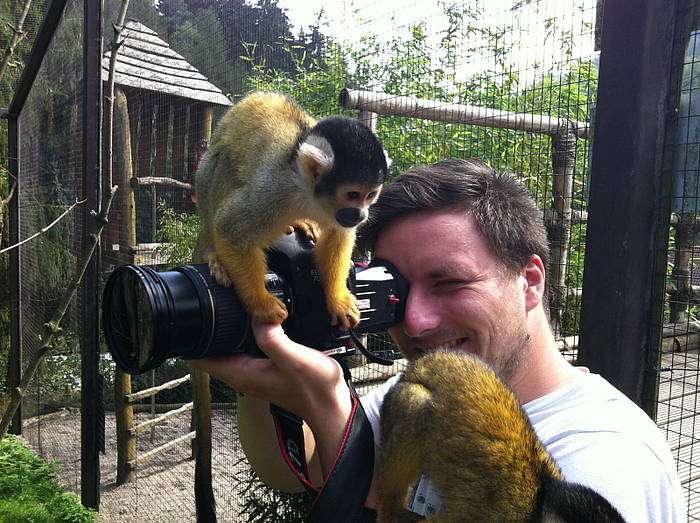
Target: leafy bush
[(261, 503), (28, 489), (178, 235)]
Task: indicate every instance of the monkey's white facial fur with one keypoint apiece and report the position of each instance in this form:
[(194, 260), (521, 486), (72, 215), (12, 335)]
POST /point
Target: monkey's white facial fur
[(354, 201), (315, 157)]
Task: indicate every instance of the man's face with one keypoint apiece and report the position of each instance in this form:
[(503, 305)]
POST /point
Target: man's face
[(461, 297)]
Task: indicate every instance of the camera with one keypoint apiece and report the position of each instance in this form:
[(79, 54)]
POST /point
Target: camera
[(149, 316)]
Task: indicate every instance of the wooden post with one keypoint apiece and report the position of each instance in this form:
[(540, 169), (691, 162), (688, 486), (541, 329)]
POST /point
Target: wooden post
[(679, 299), (124, 204), (369, 119), (162, 135), (135, 99), (198, 138), (563, 165), (182, 201), (146, 230), (126, 441), (203, 490)]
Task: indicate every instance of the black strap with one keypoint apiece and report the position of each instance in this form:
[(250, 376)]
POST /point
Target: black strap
[(342, 496)]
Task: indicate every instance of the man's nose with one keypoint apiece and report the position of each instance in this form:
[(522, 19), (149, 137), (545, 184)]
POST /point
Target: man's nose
[(421, 316)]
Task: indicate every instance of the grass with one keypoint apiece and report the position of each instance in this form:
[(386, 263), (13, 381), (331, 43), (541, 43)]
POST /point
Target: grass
[(28, 489)]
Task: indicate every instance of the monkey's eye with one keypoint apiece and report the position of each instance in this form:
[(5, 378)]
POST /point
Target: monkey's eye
[(353, 195), (371, 195)]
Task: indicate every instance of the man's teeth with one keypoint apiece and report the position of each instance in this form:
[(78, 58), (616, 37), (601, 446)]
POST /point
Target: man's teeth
[(443, 346)]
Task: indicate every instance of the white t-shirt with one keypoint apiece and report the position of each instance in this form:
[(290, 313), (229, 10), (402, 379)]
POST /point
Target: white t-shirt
[(599, 438)]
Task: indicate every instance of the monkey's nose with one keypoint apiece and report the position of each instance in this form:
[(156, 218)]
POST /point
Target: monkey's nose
[(350, 216)]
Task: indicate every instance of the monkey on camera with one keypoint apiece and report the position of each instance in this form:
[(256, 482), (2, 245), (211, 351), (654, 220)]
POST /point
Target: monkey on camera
[(271, 166), (451, 417)]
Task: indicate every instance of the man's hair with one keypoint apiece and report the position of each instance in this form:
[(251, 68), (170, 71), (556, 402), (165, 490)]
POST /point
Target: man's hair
[(502, 207)]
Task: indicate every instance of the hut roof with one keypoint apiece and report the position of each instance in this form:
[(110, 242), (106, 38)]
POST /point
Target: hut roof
[(147, 62)]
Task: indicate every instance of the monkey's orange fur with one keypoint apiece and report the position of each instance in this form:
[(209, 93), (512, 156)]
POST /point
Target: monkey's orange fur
[(451, 417)]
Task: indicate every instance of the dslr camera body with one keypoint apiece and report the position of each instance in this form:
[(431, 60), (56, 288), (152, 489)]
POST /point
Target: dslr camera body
[(149, 316)]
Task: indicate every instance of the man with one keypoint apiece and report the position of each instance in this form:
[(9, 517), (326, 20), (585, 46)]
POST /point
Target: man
[(473, 248)]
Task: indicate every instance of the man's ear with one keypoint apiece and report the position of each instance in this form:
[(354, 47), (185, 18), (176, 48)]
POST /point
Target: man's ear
[(534, 274), (315, 157)]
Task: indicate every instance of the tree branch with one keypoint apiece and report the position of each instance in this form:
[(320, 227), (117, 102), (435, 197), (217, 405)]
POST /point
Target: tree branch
[(17, 35), (42, 231)]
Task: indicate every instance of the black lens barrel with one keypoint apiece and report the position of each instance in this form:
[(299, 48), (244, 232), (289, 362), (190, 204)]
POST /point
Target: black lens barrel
[(151, 316)]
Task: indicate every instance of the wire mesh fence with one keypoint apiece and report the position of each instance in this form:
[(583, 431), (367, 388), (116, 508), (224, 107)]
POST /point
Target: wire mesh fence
[(50, 182), (513, 83), (677, 358)]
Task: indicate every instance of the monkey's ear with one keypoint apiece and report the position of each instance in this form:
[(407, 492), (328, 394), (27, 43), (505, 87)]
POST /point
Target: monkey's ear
[(315, 156), (388, 159)]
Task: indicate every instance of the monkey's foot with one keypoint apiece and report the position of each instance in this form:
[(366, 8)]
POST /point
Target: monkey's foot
[(269, 310), (308, 227), (343, 310), (219, 273)]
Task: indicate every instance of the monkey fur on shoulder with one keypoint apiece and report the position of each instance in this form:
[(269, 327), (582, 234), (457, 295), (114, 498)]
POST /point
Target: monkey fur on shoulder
[(271, 166), (451, 417)]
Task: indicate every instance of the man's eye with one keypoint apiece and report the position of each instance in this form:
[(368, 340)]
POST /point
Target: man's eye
[(353, 195), (449, 283)]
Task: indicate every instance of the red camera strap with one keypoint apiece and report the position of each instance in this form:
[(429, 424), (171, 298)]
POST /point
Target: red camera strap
[(342, 496)]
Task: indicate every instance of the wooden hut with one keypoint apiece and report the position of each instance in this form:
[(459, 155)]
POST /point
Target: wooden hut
[(163, 116)]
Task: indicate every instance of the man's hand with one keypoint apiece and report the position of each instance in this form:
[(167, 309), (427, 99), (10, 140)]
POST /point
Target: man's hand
[(296, 378)]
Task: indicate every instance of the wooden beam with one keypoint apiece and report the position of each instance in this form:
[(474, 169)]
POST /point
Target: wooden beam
[(152, 422), (411, 107), (148, 456), (136, 396)]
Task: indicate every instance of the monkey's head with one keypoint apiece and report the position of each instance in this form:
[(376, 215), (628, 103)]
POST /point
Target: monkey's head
[(346, 164)]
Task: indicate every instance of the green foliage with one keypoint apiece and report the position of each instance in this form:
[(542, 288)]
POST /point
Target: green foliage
[(28, 489), (178, 234)]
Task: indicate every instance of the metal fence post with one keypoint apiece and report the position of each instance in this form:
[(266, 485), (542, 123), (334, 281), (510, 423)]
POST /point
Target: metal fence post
[(627, 178), (91, 402)]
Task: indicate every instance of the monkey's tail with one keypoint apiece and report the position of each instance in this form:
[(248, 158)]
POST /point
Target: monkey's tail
[(573, 503)]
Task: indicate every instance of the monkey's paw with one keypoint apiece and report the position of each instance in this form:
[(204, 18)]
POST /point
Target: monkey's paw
[(344, 311), (219, 273), (270, 310), (308, 227)]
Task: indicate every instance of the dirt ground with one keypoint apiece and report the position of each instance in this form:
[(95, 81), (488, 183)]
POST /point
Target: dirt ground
[(163, 489)]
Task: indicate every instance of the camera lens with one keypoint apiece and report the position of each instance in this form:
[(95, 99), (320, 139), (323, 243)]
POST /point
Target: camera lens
[(149, 317)]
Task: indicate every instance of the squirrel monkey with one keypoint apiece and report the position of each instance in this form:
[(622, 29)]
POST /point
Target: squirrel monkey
[(450, 416), (271, 166)]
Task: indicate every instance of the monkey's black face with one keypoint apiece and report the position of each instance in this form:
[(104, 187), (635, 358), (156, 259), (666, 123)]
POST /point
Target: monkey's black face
[(351, 216)]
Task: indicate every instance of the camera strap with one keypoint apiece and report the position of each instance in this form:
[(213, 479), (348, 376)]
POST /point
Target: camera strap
[(342, 496)]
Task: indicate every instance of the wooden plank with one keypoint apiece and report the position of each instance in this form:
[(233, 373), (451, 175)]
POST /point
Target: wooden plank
[(127, 70), (175, 90), (147, 456), (176, 63), (132, 398), (152, 422), (135, 25), (154, 63), (162, 181), (141, 33)]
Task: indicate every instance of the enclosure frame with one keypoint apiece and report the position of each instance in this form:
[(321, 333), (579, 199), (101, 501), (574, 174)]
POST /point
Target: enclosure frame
[(91, 393), (617, 322), (52, 20)]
